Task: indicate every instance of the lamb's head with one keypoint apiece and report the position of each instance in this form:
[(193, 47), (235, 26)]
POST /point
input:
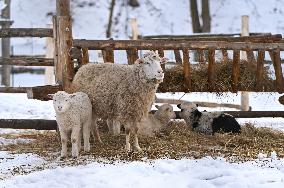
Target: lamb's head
[(190, 114), (62, 101), (165, 111), (151, 66)]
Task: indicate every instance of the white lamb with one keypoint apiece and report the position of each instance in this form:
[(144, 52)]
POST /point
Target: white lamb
[(156, 122), (122, 93), (73, 116)]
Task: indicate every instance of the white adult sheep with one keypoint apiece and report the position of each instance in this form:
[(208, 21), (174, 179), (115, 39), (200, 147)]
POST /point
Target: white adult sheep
[(121, 92), (73, 115), (157, 121), (208, 122)]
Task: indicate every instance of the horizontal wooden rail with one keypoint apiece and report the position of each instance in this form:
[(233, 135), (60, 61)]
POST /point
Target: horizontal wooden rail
[(26, 32), (37, 124), (27, 61), (168, 44), (14, 89), (262, 39), (43, 124)]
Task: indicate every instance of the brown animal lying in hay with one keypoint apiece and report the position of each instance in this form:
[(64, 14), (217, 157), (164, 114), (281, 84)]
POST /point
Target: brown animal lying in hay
[(174, 77)]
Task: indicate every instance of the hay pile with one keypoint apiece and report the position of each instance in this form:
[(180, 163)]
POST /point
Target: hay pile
[(174, 77), (175, 142)]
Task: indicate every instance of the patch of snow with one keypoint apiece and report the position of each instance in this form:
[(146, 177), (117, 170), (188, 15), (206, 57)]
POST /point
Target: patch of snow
[(8, 141)]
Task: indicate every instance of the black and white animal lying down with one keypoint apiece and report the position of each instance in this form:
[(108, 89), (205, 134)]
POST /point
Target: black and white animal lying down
[(208, 122)]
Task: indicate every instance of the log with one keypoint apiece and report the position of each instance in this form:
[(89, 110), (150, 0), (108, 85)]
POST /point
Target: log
[(278, 71), (108, 56), (25, 32), (14, 89), (250, 56), (201, 56), (260, 70), (211, 70), (132, 56), (85, 56), (37, 124), (235, 70), (225, 55), (177, 57), (167, 44), (41, 92), (186, 69), (57, 65), (27, 61)]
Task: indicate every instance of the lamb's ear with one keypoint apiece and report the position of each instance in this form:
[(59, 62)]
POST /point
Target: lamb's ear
[(50, 96), (139, 61), (164, 60), (157, 106)]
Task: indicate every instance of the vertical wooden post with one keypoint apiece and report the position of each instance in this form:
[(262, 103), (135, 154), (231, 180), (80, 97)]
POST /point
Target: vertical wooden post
[(177, 57), (108, 55), (211, 70), (259, 70), (235, 70), (132, 55), (278, 71), (245, 32), (134, 28), (6, 69), (186, 69), (57, 65), (65, 40), (49, 71), (225, 55), (201, 56), (85, 56)]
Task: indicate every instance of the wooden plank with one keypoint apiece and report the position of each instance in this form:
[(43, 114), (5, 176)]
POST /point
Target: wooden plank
[(278, 71), (85, 56), (201, 56), (250, 56), (41, 92), (132, 56), (235, 70), (260, 70), (57, 65), (108, 56), (225, 55), (37, 124), (25, 32), (186, 69), (178, 57), (173, 45), (14, 89), (27, 61), (211, 70)]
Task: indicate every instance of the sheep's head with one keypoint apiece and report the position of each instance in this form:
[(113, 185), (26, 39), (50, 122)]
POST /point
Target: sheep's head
[(190, 113), (151, 66), (166, 110), (62, 101)]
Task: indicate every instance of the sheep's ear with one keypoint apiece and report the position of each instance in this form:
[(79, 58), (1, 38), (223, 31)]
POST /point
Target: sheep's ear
[(139, 61), (50, 96), (164, 60), (157, 106)]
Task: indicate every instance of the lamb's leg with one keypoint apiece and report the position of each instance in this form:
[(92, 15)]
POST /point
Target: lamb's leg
[(86, 134), (64, 139), (136, 143), (75, 135), (94, 129), (116, 127), (127, 139), (80, 140)]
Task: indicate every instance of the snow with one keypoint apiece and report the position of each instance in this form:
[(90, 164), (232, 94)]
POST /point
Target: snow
[(154, 17), (205, 172)]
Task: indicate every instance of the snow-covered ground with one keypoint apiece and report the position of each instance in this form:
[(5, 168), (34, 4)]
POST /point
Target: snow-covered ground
[(154, 17)]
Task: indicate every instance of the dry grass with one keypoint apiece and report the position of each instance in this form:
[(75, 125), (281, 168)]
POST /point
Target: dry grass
[(175, 142), (174, 77)]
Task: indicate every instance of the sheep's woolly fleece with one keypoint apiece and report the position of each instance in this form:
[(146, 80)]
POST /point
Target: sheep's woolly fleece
[(156, 122), (117, 91)]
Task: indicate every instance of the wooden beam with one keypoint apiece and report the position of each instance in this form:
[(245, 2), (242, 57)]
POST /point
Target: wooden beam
[(37, 124), (108, 56), (235, 70), (25, 32), (173, 45), (57, 65), (260, 70), (177, 57), (225, 55), (85, 56), (41, 92), (27, 61), (186, 69), (211, 70), (250, 56), (201, 56), (278, 71), (132, 56), (14, 89)]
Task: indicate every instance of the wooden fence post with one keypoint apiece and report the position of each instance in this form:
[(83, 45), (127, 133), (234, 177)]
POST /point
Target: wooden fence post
[(245, 32), (65, 40), (49, 71), (6, 69)]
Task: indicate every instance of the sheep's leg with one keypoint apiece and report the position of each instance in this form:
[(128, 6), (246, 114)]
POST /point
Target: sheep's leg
[(136, 143), (79, 141), (86, 134), (75, 135), (94, 130), (64, 139), (127, 139), (116, 127)]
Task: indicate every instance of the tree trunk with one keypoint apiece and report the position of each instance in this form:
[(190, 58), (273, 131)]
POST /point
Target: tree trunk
[(206, 27), (108, 32), (194, 17)]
